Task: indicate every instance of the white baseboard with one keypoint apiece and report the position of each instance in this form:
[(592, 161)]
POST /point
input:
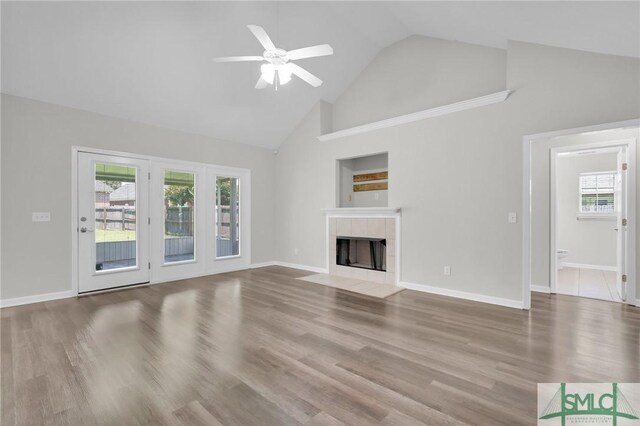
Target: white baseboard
[(587, 266), (463, 295), (541, 289), (263, 264), (17, 301)]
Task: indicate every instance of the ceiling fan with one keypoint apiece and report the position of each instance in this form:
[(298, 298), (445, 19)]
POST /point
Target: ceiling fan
[(278, 69)]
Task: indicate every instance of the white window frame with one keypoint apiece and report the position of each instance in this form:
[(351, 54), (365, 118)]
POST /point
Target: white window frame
[(195, 214), (215, 212), (162, 271), (595, 215), (234, 262)]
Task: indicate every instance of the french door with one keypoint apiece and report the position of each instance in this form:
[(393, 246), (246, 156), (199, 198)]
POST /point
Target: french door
[(113, 222)]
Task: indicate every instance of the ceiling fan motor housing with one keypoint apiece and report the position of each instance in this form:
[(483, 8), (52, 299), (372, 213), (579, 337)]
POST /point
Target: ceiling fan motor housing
[(276, 57)]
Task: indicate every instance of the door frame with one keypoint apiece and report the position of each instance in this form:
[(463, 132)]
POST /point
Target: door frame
[(118, 277), (157, 276), (527, 142), (629, 199)]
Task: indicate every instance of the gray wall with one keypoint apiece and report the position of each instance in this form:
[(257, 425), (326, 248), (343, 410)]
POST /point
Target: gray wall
[(590, 242), (36, 176), (419, 73), (474, 157)]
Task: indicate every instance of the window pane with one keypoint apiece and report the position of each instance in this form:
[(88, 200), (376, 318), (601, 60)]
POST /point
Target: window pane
[(115, 216), (606, 181), (605, 203), (588, 203), (227, 216), (178, 216), (588, 183)]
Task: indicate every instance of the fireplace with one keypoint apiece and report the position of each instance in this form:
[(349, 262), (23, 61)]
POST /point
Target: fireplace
[(370, 250), (362, 252)]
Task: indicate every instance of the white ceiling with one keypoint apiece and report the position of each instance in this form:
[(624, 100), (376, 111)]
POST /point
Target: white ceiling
[(151, 61)]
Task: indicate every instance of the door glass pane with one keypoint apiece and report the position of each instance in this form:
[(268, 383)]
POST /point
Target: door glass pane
[(227, 216), (178, 216), (115, 216)]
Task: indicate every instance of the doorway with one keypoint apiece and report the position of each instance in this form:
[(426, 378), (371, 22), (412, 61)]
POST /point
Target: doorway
[(539, 249), (113, 222), (588, 216)]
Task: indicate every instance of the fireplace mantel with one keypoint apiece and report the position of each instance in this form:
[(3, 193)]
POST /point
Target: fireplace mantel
[(362, 211)]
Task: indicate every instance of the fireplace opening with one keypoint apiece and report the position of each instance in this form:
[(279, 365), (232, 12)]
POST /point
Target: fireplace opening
[(364, 253)]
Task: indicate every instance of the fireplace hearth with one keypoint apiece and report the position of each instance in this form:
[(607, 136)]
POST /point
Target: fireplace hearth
[(361, 252)]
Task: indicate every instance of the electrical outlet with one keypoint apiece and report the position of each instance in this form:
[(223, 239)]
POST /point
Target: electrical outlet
[(513, 217), (447, 270), (376, 196), (40, 217)]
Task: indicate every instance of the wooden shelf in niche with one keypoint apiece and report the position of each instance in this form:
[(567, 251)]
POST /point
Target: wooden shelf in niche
[(371, 176), (380, 186), (377, 181)]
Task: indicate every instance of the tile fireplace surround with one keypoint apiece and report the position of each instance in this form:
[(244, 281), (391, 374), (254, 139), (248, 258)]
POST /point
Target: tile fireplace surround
[(365, 223)]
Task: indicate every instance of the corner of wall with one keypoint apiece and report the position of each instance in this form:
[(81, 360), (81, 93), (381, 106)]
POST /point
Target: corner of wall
[(326, 117)]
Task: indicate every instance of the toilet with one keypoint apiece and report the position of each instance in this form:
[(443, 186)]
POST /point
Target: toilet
[(561, 254)]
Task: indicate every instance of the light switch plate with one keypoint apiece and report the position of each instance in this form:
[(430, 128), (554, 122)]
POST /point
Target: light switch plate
[(513, 217), (40, 217), (447, 270)]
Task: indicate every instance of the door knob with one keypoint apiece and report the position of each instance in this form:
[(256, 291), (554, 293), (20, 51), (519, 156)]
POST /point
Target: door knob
[(85, 229)]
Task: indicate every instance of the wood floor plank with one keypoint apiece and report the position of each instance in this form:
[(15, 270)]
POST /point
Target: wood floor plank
[(260, 347)]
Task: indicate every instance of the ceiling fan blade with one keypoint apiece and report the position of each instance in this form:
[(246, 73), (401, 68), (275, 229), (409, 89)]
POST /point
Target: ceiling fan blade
[(262, 83), (304, 74), (238, 59), (262, 37), (310, 52)]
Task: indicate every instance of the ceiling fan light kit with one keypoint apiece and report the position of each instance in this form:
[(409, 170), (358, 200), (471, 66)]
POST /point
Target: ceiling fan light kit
[(278, 69)]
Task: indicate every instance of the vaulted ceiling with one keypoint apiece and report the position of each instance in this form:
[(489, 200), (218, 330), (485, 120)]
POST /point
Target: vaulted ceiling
[(151, 61)]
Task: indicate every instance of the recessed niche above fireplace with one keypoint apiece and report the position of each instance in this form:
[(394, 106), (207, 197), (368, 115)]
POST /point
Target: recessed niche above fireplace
[(361, 252), (363, 181)]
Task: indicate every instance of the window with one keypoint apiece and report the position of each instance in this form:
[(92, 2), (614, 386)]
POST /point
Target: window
[(178, 216), (115, 216), (227, 216), (597, 193)]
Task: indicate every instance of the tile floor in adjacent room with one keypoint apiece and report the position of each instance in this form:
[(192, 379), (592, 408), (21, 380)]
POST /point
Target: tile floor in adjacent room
[(593, 283), (367, 288)]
